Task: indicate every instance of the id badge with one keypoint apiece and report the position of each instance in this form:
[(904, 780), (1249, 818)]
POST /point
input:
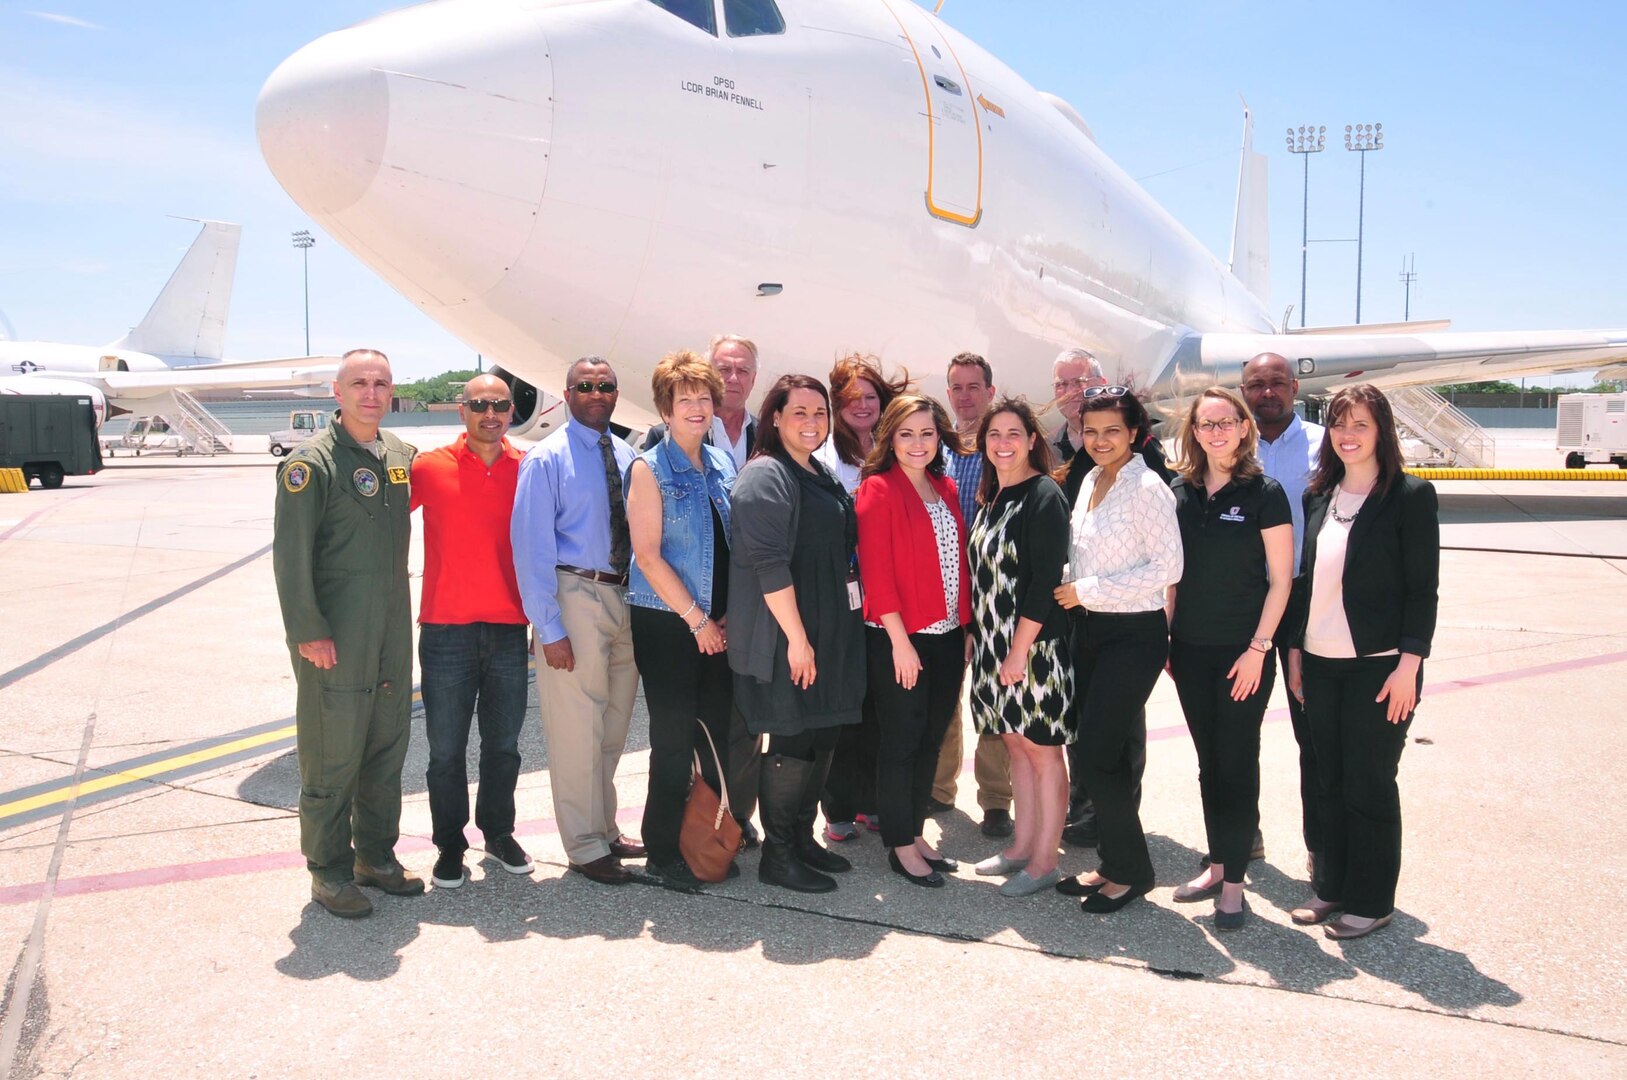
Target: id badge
[(855, 598)]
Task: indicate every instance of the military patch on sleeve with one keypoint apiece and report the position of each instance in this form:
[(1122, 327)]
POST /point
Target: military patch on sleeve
[(366, 481), (398, 476), (295, 477)]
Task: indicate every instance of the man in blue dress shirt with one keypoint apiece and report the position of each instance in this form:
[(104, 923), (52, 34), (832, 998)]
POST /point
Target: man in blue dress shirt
[(1288, 451), (571, 551), (970, 380)]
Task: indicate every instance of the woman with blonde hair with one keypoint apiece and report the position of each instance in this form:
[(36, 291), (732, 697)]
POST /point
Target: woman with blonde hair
[(1237, 536)]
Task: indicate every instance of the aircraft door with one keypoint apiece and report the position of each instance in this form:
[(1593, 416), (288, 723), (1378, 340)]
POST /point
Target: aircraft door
[(955, 138)]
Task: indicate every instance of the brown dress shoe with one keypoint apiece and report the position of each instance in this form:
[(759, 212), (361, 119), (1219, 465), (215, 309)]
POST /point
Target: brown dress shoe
[(606, 871), (391, 879), (623, 848), (341, 898)]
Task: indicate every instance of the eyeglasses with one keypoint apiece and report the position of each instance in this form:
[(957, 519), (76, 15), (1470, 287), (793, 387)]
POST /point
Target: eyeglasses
[(1062, 386), (1106, 391), (480, 405), (603, 386), (1225, 427), (733, 372)]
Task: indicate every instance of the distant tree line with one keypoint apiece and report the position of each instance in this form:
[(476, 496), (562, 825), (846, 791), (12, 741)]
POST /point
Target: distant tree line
[(1502, 386), (436, 389)]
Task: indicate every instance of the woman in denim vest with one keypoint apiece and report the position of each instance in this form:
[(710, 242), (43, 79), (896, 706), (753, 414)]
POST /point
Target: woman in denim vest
[(677, 590)]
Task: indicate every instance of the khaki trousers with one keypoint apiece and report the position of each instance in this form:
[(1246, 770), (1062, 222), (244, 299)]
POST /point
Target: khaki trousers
[(586, 712), (991, 765)]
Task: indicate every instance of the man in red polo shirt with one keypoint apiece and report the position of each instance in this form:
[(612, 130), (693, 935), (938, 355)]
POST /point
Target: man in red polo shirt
[(472, 649)]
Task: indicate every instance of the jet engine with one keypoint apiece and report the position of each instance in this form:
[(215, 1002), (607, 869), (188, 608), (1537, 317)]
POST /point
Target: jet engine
[(535, 413)]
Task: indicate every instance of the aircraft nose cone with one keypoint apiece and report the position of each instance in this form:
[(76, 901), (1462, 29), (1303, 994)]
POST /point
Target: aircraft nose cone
[(420, 141), (322, 121)]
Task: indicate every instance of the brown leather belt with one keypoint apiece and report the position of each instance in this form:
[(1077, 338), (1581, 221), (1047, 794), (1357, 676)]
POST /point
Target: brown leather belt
[(595, 575)]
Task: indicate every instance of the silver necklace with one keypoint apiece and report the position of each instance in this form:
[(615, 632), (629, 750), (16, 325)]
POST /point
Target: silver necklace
[(1333, 507)]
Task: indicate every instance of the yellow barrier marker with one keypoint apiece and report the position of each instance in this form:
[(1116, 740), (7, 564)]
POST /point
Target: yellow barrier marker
[(1520, 474), (13, 482)]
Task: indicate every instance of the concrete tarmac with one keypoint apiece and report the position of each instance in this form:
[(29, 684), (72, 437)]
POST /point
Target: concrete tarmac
[(154, 906)]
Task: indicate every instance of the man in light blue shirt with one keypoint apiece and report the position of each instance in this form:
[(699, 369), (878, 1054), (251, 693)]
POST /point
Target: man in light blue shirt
[(1289, 450), (571, 552), (970, 380)]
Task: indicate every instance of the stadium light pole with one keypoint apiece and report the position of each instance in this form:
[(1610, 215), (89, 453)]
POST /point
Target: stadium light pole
[(305, 241), (1362, 138), (1305, 141)]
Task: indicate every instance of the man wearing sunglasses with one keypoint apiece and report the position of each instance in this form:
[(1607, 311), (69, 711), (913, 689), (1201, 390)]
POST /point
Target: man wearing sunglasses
[(472, 630), (571, 553)]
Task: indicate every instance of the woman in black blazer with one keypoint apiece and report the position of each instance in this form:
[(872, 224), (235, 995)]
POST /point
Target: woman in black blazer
[(1364, 614)]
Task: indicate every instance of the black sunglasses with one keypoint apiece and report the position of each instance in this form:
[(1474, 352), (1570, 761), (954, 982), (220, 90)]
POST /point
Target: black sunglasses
[(502, 405), (604, 386), (1106, 391)]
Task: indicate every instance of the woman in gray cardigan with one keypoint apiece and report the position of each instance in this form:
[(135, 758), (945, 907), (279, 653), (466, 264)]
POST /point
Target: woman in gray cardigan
[(796, 636)]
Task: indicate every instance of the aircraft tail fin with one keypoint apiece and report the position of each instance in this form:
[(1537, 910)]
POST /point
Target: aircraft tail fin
[(1251, 225), (187, 323)]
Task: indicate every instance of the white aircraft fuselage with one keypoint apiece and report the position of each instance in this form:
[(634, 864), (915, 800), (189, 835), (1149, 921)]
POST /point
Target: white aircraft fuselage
[(549, 179)]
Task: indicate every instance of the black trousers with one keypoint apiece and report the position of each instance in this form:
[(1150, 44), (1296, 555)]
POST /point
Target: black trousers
[(1226, 735), (850, 789), (806, 745), (1310, 799), (912, 725), (681, 684), (1116, 660), (1358, 753), (1080, 807), (745, 763)]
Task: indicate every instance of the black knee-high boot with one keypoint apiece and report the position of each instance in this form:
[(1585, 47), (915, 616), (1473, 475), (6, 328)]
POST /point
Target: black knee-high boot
[(780, 791), (807, 848)]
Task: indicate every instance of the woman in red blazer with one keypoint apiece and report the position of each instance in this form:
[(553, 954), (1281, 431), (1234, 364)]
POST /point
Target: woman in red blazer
[(917, 602)]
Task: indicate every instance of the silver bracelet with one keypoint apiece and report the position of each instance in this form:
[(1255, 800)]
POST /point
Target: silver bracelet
[(698, 627), (693, 604)]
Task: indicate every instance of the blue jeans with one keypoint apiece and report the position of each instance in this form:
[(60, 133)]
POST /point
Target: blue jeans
[(471, 668)]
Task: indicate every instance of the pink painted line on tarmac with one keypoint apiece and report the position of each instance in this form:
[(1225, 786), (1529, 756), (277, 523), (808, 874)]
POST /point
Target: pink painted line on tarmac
[(285, 860), (249, 864), (29, 520)]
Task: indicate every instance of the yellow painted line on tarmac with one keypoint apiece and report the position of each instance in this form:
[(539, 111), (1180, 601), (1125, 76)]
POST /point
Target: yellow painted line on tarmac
[(1520, 474), (142, 772), (139, 773)]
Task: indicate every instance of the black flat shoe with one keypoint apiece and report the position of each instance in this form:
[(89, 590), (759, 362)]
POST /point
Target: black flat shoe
[(1072, 886), (929, 880), (943, 864), (1099, 903)]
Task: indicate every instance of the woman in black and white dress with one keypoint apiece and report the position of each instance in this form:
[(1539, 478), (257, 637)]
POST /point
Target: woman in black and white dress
[(1022, 681)]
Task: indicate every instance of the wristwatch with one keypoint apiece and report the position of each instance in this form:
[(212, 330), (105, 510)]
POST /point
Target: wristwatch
[(1260, 644)]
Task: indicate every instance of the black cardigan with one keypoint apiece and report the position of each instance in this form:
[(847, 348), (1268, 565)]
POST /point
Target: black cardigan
[(1392, 569)]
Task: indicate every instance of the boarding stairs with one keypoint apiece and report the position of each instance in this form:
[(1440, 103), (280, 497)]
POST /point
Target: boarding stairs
[(1435, 432), (197, 427)]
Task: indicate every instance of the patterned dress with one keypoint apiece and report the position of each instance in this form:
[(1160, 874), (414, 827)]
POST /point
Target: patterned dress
[(1016, 550)]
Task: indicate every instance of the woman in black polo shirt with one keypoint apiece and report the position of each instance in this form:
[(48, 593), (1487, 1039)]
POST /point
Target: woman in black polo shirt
[(1238, 535)]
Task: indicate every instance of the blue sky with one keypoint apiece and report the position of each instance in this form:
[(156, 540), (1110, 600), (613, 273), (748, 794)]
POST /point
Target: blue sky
[(1503, 168)]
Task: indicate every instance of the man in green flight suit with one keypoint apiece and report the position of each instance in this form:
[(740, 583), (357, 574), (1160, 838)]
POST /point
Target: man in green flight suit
[(340, 555)]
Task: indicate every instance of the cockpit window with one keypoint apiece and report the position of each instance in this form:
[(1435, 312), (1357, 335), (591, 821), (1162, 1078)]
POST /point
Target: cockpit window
[(749, 18), (698, 13)]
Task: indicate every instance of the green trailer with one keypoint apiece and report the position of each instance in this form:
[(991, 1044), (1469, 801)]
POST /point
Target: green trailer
[(49, 436)]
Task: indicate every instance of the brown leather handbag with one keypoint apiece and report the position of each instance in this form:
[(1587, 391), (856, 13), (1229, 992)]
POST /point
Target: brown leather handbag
[(710, 836)]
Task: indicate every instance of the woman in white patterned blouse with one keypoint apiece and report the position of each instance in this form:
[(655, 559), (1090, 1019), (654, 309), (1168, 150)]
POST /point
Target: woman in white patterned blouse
[(1126, 555)]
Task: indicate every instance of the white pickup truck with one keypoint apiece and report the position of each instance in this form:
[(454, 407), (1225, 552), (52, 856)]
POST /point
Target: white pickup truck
[(302, 424)]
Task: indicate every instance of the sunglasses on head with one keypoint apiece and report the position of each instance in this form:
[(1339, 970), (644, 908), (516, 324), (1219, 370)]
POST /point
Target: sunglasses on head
[(480, 405), (603, 386), (1106, 391)]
